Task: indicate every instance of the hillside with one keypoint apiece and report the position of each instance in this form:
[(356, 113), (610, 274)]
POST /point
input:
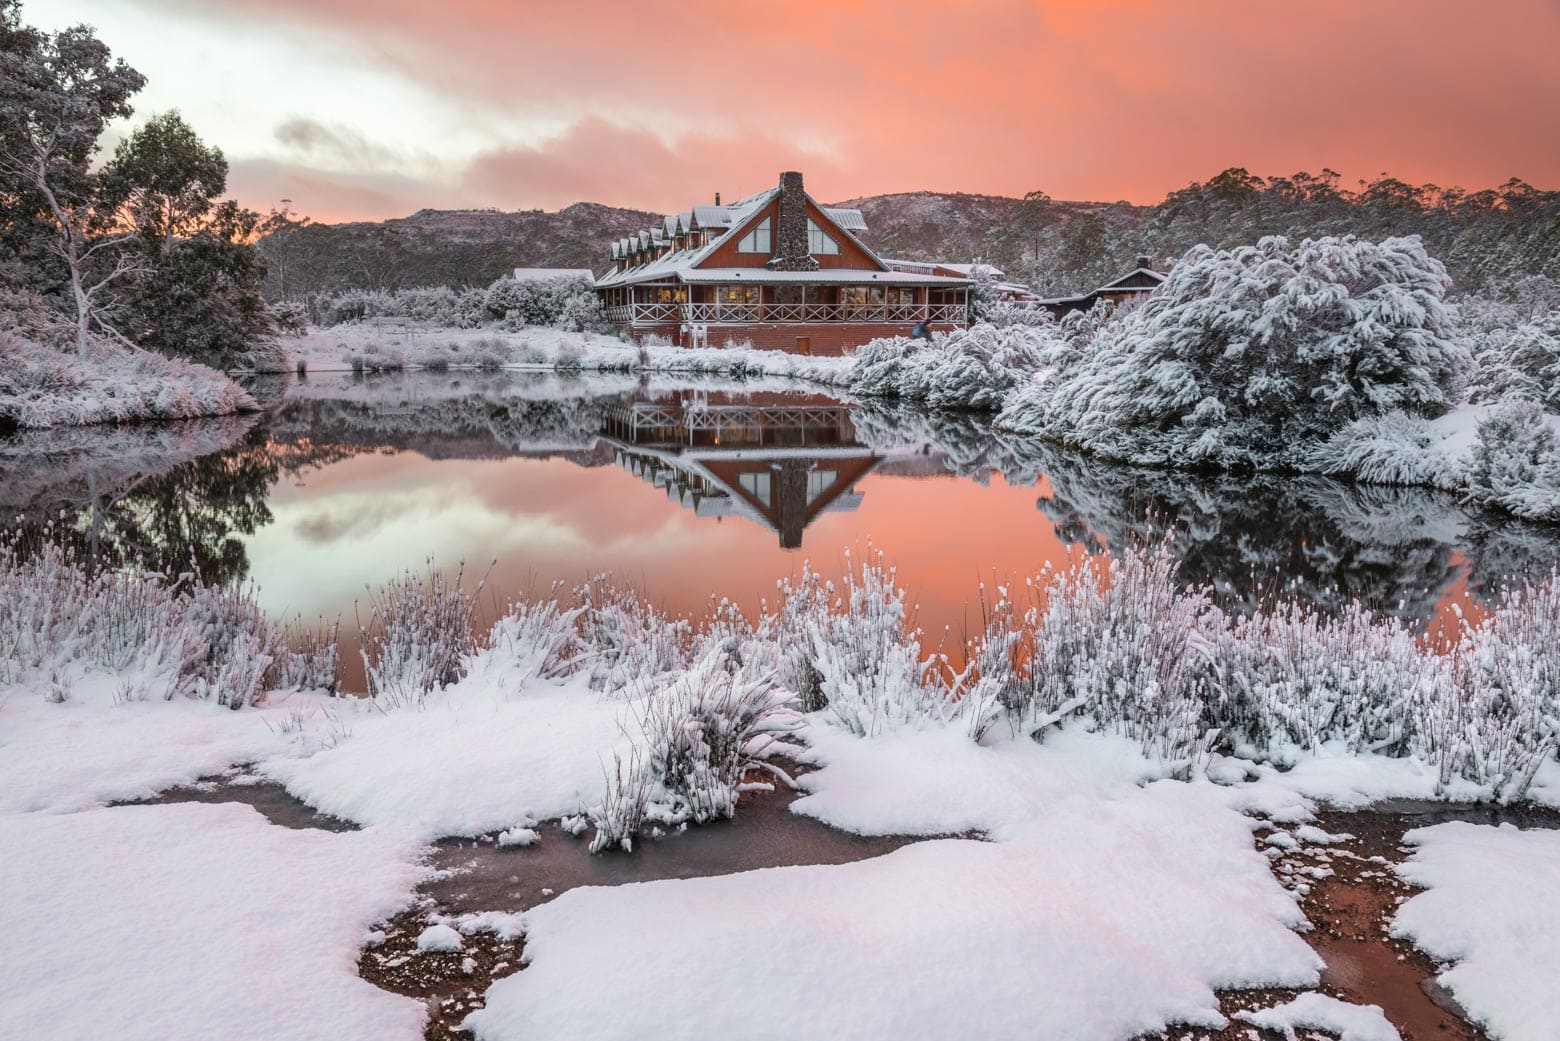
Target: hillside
[(1490, 240), (441, 247)]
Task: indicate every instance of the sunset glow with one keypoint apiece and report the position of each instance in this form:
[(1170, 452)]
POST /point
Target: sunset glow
[(369, 110)]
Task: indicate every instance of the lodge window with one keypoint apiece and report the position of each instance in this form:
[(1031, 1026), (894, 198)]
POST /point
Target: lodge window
[(818, 242), (818, 482), (671, 295), (756, 240), (861, 296), (733, 295), (756, 485), (937, 297), (901, 295)]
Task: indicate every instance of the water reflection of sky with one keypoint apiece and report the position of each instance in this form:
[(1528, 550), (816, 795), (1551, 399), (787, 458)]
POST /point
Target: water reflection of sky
[(362, 520)]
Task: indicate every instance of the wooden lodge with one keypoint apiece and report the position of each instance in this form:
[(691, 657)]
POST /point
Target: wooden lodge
[(774, 270)]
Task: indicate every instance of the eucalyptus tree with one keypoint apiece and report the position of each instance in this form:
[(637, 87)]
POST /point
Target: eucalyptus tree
[(57, 93)]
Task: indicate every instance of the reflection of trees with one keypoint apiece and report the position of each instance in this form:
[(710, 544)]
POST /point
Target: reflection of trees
[(125, 495), (1248, 536)]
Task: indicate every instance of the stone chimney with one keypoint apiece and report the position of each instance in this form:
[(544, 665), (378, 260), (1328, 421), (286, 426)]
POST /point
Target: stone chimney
[(717, 198), (791, 252), (1147, 262)]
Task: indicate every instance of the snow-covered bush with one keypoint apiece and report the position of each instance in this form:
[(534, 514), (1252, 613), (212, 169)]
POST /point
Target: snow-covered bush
[(1515, 464), (975, 368), (629, 643), (1518, 356), (571, 304), (706, 731), (180, 637), (418, 634), (1392, 449), (1121, 640), (1507, 672), (42, 387), (1293, 678), (855, 653), (1249, 357)]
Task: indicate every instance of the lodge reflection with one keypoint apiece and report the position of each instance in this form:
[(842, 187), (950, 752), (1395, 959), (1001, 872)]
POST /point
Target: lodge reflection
[(780, 464), (187, 497)]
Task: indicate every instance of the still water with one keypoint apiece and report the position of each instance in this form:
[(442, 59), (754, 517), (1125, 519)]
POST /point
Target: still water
[(697, 491)]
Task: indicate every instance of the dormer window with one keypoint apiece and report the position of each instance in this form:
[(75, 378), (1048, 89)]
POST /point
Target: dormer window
[(757, 240), (819, 243)]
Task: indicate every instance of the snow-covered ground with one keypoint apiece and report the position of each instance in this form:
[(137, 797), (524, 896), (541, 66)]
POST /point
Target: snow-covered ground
[(1491, 909), (386, 345), (144, 923), (1066, 885)]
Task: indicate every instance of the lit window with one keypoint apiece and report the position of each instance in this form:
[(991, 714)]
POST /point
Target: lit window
[(757, 239), (818, 242)]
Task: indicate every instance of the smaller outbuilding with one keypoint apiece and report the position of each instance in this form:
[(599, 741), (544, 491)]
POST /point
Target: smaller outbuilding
[(1133, 286)]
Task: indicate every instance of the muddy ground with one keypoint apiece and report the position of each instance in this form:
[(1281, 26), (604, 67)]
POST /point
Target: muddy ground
[(1347, 888)]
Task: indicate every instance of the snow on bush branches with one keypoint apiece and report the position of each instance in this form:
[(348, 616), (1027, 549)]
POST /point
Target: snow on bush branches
[(1248, 357)]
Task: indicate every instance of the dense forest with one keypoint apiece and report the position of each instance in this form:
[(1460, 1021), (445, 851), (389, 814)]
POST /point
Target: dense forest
[(1490, 240)]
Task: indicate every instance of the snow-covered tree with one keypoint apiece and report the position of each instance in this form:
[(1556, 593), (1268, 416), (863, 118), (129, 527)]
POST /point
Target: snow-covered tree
[(1244, 356)]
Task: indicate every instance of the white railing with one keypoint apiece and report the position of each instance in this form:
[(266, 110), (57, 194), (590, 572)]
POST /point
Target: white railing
[(717, 314)]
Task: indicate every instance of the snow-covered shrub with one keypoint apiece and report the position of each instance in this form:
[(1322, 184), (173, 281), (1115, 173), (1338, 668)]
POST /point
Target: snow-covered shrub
[(1520, 358), (1249, 357), (289, 318), (975, 368), (629, 642), (418, 634), (1291, 677), (42, 387), (571, 304), (1515, 464), (1124, 642), (180, 637), (705, 732), (537, 638), (1395, 448), (857, 654), (621, 812), (1507, 671)]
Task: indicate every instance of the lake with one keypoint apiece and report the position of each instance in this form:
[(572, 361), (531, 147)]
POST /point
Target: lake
[(699, 491)]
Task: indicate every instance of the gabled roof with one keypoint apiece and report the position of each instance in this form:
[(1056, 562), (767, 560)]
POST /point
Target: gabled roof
[(720, 222), (1143, 278)]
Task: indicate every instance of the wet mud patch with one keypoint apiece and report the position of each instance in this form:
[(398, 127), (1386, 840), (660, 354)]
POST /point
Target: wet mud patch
[(269, 798), (450, 984), (1342, 870)]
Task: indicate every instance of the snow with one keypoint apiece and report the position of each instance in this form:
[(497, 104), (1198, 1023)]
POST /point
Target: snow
[(1104, 918), (439, 938), (518, 837), (1321, 1012), (91, 749), (1492, 906), (472, 759), (195, 920)]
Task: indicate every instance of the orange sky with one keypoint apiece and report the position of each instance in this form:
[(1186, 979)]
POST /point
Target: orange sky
[(374, 108)]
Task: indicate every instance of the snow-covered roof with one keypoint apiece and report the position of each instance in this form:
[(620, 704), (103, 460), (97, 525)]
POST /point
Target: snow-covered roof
[(717, 221), (547, 274), (966, 270), (850, 220), (840, 275), (1157, 276)]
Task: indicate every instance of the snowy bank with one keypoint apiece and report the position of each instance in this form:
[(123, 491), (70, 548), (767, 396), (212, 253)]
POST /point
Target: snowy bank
[(151, 922), (43, 387), (1492, 908), (1132, 912)]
